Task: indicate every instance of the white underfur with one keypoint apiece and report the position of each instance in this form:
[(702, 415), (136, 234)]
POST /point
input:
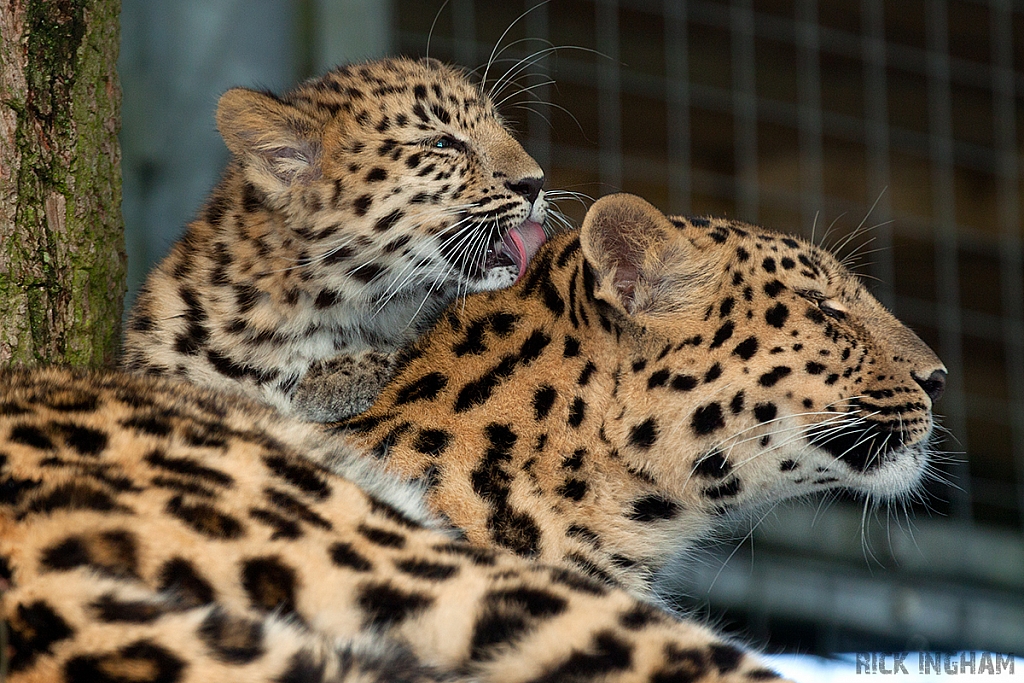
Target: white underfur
[(409, 497)]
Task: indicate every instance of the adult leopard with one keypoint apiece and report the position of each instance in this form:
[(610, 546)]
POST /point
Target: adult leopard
[(646, 376)]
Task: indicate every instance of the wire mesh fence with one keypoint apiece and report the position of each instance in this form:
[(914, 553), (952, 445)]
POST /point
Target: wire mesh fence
[(888, 130)]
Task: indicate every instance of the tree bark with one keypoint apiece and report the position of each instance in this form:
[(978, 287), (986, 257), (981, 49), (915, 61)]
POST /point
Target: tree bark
[(62, 259)]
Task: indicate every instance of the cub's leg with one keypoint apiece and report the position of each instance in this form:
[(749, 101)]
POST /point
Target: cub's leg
[(342, 386)]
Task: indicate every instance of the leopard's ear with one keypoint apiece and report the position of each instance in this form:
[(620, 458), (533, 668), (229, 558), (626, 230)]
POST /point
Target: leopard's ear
[(642, 262), (279, 145)]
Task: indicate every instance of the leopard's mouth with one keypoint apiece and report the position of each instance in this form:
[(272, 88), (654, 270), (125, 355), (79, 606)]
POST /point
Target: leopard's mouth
[(516, 248)]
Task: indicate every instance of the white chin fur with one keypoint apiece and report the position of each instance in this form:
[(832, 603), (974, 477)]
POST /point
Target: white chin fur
[(539, 210), (902, 474), (495, 278)]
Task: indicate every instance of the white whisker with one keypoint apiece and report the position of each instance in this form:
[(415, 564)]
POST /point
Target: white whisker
[(430, 34), (483, 80)]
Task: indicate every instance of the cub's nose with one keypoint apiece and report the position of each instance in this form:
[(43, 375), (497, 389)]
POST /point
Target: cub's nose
[(933, 385), (527, 187)]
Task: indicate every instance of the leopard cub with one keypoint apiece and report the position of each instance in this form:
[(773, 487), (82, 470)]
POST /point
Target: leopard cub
[(354, 209)]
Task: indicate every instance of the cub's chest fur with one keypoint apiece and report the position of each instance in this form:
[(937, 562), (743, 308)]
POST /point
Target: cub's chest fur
[(354, 209), (648, 376)]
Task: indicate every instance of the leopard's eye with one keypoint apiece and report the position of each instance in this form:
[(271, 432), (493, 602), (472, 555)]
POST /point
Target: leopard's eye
[(447, 142), (831, 309)]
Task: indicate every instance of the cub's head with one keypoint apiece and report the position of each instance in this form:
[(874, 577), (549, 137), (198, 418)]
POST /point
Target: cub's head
[(392, 176), (763, 368)]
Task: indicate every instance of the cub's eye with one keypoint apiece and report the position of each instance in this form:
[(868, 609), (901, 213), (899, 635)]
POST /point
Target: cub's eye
[(447, 142)]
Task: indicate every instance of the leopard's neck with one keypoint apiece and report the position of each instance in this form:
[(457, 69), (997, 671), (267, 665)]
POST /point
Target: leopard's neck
[(509, 411)]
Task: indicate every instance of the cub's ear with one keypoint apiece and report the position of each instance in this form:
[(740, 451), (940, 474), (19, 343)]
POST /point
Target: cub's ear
[(279, 144), (642, 262)]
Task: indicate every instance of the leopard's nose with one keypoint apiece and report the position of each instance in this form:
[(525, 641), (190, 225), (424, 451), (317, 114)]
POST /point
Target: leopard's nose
[(933, 385), (527, 187)]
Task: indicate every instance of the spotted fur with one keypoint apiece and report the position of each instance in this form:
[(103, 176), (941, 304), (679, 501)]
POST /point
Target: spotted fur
[(156, 532), (648, 376), (354, 209)]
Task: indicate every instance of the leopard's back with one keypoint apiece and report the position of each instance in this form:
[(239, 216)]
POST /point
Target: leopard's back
[(153, 531)]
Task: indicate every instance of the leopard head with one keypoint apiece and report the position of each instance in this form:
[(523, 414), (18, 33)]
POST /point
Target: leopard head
[(763, 368), (390, 179)]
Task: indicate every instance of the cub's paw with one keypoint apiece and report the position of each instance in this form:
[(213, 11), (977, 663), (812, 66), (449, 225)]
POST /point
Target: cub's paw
[(342, 386)]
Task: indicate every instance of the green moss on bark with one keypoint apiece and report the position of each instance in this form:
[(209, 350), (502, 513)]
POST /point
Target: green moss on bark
[(61, 296)]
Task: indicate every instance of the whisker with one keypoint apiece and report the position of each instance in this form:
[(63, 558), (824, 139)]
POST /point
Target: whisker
[(521, 65), (483, 81), (823, 244), (534, 59), (430, 34), (523, 90), (499, 60), (857, 233), (534, 111), (748, 535), (871, 210)]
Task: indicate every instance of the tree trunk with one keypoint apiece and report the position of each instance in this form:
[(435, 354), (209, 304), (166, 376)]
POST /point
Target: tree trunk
[(62, 260)]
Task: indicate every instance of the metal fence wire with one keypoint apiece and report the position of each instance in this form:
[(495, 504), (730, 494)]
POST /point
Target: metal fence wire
[(803, 115)]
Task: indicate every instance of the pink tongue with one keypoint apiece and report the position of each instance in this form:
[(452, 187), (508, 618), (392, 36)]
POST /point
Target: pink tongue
[(522, 243)]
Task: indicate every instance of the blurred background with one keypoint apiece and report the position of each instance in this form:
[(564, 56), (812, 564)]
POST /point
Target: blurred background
[(905, 118)]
